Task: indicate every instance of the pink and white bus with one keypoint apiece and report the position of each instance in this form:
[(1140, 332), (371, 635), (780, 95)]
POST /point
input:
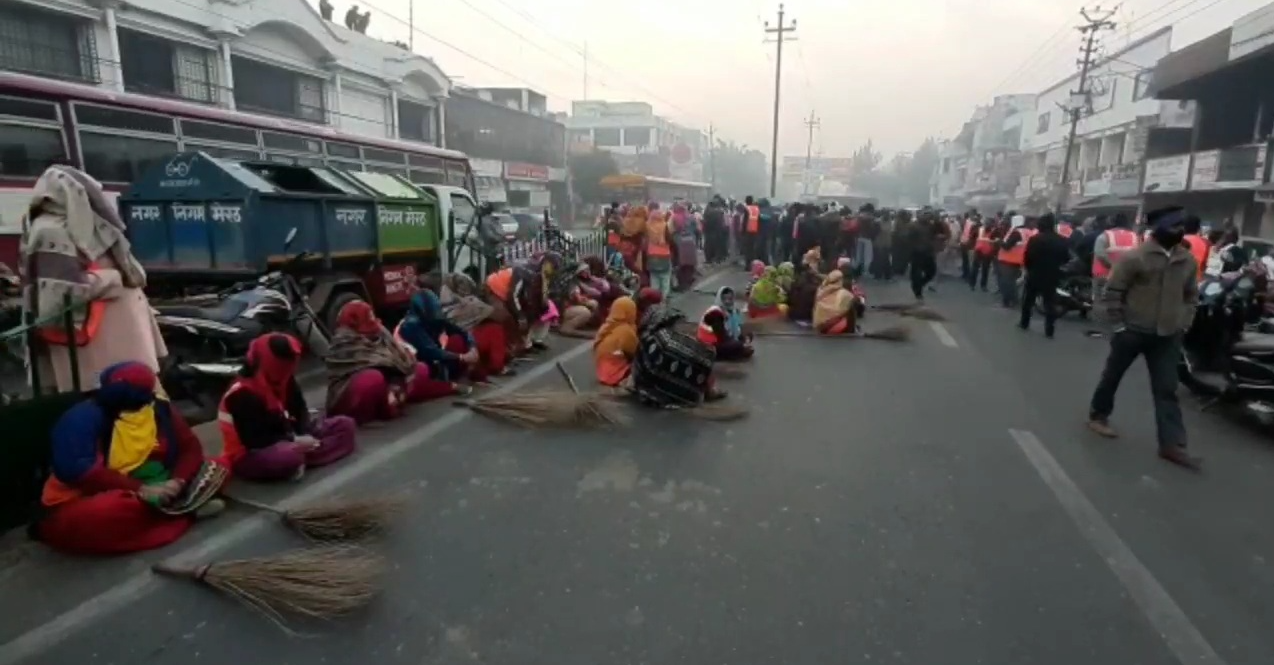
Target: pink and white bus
[(114, 136)]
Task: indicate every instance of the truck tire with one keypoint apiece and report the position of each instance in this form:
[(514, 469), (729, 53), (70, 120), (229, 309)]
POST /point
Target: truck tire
[(334, 307)]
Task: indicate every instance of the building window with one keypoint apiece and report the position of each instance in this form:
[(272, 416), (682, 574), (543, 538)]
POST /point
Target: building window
[(1041, 125), (277, 91), (27, 151), (113, 158), (46, 44), (606, 137), (415, 122), (1141, 86), (637, 136), (156, 66)]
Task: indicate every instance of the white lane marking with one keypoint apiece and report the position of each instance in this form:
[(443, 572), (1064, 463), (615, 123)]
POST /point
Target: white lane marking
[(1167, 618), (944, 335), (33, 642)]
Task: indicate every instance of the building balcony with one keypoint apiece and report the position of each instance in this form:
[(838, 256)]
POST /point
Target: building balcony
[(1243, 167)]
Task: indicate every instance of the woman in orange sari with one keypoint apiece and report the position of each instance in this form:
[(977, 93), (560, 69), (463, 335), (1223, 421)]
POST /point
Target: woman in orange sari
[(615, 345), (836, 308)]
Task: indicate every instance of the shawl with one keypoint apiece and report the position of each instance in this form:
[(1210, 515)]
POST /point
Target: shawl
[(460, 302), (69, 225), (733, 317), (619, 332), (833, 299), (766, 292), (785, 274), (802, 295), (351, 352)]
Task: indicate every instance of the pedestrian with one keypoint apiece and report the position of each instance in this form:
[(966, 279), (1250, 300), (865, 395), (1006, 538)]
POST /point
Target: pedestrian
[(751, 238), (1046, 253), (984, 248), (1108, 248), (1012, 253), (1150, 299), (928, 234), (902, 242)]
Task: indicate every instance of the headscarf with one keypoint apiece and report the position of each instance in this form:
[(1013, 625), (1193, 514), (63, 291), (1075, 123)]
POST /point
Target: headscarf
[(460, 302), (733, 317), (618, 333), (757, 268), (786, 273), (271, 365), (844, 263), (425, 310), (833, 299), (359, 317), (657, 229), (648, 297), (813, 258), (70, 224), (128, 393), (635, 222), (595, 264), (766, 291)]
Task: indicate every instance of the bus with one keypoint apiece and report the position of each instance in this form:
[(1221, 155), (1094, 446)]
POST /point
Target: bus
[(634, 188), (115, 136)]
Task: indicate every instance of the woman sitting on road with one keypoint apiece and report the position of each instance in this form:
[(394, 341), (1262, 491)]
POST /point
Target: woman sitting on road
[(370, 375), (767, 298), (461, 304), (115, 456), (646, 298), (615, 345), (265, 424), (803, 294), (671, 369), (429, 334), (722, 328), (837, 309)]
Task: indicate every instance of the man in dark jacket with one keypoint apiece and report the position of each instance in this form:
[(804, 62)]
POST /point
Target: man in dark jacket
[(1046, 253), (1150, 298), (928, 233)]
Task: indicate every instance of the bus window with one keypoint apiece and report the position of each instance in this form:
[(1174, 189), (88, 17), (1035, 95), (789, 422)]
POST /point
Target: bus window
[(122, 158), (27, 151)]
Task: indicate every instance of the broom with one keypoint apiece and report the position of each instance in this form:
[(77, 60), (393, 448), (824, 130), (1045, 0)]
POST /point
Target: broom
[(891, 334), (719, 411), (548, 409), (318, 583), (594, 405), (912, 311), (336, 519)]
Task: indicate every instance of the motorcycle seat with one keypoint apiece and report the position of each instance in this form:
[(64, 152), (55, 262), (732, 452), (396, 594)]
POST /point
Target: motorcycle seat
[(1255, 343), (222, 312)]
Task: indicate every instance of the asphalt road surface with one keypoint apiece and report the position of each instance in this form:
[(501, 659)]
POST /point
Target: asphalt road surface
[(935, 502)]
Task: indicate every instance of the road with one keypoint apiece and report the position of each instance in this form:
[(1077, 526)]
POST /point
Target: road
[(932, 502)]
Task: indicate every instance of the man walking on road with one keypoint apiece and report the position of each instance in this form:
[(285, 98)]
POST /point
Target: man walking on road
[(1150, 298), (1046, 253)]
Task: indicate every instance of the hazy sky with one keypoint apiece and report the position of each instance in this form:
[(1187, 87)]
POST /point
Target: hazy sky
[(893, 71)]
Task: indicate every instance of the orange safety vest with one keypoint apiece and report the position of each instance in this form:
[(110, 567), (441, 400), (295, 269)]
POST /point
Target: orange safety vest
[(499, 283), (231, 447), (1016, 255), (1199, 247), (754, 219), (967, 234), (1118, 242), (706, 334), (985, 244), (55, 332), (1065, 229), (657, 238)]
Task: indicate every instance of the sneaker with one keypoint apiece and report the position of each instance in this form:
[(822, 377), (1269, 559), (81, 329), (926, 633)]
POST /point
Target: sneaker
[(210, 509), (1102, 428), (1178, 455)]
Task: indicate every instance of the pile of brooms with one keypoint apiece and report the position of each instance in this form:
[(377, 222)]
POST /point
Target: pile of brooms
[(332, 579)]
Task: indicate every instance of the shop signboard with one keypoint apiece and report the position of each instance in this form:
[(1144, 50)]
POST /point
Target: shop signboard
[(1167, 174)]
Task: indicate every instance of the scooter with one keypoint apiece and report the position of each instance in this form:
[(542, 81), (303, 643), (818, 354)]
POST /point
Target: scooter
[(208, 336), (1221, 361)]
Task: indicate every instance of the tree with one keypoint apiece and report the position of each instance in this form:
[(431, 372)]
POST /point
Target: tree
[(587, 171), (740, 170), (864, 160)]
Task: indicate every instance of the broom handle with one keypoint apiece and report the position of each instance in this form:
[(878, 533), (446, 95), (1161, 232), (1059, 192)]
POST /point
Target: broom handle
[(248, 503), (567, 375)]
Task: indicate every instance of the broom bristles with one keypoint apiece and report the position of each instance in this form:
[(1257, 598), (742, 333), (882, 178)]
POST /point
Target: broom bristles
[(719, 411), (923, 314), (549, 409), (891, 334), (319, 583), (348, 519)]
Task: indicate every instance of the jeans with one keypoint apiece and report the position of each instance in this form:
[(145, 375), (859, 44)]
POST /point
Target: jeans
[(863, 254), (1045, 292), (1008, 275), (661, 281), (980, 270), (1162, 354)]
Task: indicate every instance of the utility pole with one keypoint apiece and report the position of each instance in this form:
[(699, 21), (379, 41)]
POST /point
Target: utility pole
[(811, 124), (1094, 23), (780, 34), (712, 156), (585, 54), (411, 25)]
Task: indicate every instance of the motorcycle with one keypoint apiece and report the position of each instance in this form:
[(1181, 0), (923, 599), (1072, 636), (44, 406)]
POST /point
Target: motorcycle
[(1222, 361), (208, 336), (1074, 291)]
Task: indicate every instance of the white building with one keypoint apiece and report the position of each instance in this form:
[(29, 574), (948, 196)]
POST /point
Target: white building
[(641, 141), (1106, 160), (273, 57), (979, 168)]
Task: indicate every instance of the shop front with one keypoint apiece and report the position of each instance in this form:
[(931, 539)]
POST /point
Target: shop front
[(488, 175), (528, 186)]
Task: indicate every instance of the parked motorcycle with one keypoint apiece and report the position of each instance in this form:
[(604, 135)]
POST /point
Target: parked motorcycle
[(1074, 291), (208, 336), (1221, 360)]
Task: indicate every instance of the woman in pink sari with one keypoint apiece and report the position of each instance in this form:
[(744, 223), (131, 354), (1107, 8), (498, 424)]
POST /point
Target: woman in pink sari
[(685, 234)]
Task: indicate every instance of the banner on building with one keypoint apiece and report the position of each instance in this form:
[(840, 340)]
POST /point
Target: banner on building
[(1167, 174)]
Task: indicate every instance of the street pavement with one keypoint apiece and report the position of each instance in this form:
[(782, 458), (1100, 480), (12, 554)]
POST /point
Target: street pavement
[(937, 501)]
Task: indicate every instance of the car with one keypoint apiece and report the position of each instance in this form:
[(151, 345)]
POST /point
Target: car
[(508, 225), (529, 224)]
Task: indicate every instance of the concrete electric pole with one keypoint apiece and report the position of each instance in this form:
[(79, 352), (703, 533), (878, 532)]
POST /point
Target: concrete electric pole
[(1081, 99), (712, 157), (780, 34), (811, 124)]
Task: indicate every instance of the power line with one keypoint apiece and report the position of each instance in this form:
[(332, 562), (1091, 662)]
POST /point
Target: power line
[(780, 32)]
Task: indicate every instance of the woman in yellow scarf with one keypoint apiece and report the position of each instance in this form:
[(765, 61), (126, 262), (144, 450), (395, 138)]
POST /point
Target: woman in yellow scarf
[(834, 306), (632, 237), (615, 345)]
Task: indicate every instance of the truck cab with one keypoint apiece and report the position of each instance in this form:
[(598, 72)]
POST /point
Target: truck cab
[(467, 243)]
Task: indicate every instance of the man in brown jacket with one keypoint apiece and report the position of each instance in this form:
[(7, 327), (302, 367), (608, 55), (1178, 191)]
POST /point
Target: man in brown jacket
[(1150, 299)]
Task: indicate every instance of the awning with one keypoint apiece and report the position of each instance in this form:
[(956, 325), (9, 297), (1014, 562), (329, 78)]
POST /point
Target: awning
[(1208, 55), (1107, 201)]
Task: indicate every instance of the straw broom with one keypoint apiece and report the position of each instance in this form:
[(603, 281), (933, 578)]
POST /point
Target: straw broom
[(719, 411), (548, 409), (336, 519), (898, 333), (319, 583), (911, 311), (593, 405)]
